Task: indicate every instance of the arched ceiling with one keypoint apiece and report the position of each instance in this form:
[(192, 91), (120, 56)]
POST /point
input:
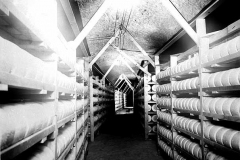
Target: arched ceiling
[(147, 20)]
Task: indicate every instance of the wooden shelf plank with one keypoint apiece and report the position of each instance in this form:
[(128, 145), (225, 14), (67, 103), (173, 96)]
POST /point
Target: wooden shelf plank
[(162, 122), (186, 111), (192, 72), (61, 122), (187, 133), (23, 83), (26, 143), (190, 91), (221, 147), (185, 152), (222, 117), (222, 89)]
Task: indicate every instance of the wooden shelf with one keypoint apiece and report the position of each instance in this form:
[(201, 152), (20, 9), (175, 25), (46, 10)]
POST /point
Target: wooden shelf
[(164, 107), (151, 112), (222, 89), (165, 139), (151, 102), (152, 92), (66, 151), (164, 79), (221, 147), (189, 73), (152, 83), (186, 111), (187, 133), (24, 83), (226, 59), (26, 143), (162, 122), (222, 117), (65, 120), (190, 91), (185, 152)]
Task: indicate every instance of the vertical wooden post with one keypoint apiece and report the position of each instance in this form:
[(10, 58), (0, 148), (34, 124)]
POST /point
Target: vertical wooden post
[(91, 106), (203, 49), (145, 85), (173, 62)]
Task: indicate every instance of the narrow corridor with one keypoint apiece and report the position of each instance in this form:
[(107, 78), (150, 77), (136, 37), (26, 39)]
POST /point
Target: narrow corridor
[(122, 138)]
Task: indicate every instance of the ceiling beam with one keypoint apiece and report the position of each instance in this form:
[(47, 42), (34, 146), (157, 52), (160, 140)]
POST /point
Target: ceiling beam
[(125, 89), (130, 59), (104, 48), (111, 67), (128, 83), (139, 47), (204, 13), (180, 19), (121, 85), (122, 59), (92, 22)]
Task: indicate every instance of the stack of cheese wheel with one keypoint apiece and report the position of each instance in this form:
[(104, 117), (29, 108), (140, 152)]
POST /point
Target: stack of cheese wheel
[(185, 65), (65, 108), (80, 122), (38, 152), (80, 88), (165, 117), (192, 104), (164, 101), (79, 104), (163, 74), (178, 157), (188, 124), (223, 50), (165, 132), (65, 82), (186, 144), (192, 83), (153, 78), (166, 88), (222, 106), (224, 78), (16, 61), (224, 136), (21, 120), (212, 156), (165, 147)]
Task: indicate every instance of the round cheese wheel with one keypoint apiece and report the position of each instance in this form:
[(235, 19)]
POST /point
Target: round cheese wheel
[(233, 76), (235, 107), (218, 79), (235, 143), (225, 78), (224, 49), (219, 105), (216, 53), (213, 133), (227, 137), (220, 135), (212, 105), (227, 106)]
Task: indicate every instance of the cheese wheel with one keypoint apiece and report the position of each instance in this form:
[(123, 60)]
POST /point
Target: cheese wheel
[(219, 105), (220, 135), (225, 78), (228, 136), (206, 103), (213, 133), (224, 49), (233, 76), (227, 106), (218, 79), (235, 143), (235, 107), (216, 53), (212, 105)]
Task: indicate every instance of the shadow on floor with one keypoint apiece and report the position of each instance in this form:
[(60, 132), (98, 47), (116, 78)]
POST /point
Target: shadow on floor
[(121, 138)]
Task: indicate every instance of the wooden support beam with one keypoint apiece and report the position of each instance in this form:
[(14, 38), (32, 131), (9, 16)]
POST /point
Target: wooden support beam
[(92, 22), (130, 59), (121, 85), (129, 67), (178, 17), (111, 67), (104, 48), (139, 47), (125, 89), (118, 82)]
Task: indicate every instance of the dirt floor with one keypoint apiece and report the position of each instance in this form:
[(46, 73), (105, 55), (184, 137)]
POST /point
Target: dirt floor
[(121, 138)]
